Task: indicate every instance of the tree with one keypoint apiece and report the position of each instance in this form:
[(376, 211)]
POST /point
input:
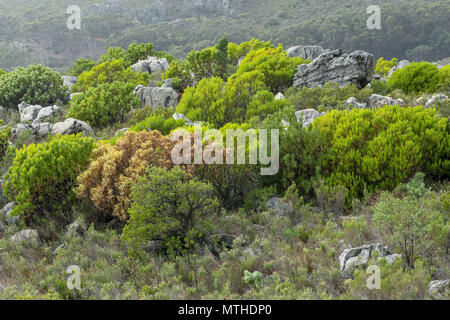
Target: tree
[(222, 58), (169, 206), (383, 66), (80, 66)]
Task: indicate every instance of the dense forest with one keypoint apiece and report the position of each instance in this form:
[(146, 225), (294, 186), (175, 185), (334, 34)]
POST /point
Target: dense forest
[(37, 33)]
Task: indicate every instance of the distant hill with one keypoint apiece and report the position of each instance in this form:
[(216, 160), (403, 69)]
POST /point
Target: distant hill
[(34, 31)]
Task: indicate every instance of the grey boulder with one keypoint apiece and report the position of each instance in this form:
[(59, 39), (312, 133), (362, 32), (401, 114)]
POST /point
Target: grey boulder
[(28, 235), (307, 116), (305, 52), (436, 98), (46, 113), (334, 66), (379, 101), (353, 103), (72, 126), (438, 288), (280, 206), (156, 97), (151, 65)]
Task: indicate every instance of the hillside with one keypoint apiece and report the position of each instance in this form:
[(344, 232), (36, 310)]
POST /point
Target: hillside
[(37, 33)]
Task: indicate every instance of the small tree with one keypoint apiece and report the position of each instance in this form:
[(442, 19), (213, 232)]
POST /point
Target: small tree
[(383, 66), (168, 206)]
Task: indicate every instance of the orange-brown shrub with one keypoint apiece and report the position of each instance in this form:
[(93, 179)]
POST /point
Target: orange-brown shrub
[(107, 181)]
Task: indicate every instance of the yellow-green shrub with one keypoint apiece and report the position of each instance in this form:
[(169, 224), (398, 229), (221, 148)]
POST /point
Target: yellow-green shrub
[(42, 176), (416, 77), (383, 66)]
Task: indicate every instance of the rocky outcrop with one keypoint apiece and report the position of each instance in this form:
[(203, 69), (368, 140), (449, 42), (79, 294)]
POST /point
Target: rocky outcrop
[(180, 116), (437, 288), (151, 65), (307, 116), (360, 256), (76, 229), (279, 96), (355, 68), (28, 112), (156, 97), (28, 235), (378, 101), (6, 213), (280, 206), (400, 65), (46, 113), (306, 52), (72, 126), (353, 103), (38, 131), (436, 98)]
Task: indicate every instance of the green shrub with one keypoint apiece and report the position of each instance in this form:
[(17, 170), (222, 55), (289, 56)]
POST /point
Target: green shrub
[(5, 134), (329, 97), (109, 72), (115, 53), (411, 225), (168, 206), (80, 66), (34, 84), (105, 104), (41, 178), (236, 52), (141, 51), (383, 66), (159, 121), (381, 148), (416, 77), (444, 78), (2, 72)]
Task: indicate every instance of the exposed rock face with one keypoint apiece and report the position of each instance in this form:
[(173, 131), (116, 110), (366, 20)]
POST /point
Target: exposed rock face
[(436, 98), (72, 126), (46, 113), (280, 207), (360, 256), (353, 103), (400, 65), (355, 68), (28, 235), (168, 83), (156, 97), (307, 116), (76, 229), (151, 65), (279, 96), (6, 213), (38, 130), (29, 112), (306, 52), (437, 288), (378, 101)]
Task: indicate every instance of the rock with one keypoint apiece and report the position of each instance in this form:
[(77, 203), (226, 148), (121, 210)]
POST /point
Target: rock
[(168, 83), (279, 96), (437, 289), (378, 101), (154, 247), (29, 113), (420, 101), (360, 256), (353, 103), (305, 52), (41, 130), (72, 126), (60, 247), (121, 132), (151, 65), (76, 229), (307, 116), (28, 235), (156, 97), (436, 98), (355, 68), (6, 212), (180, 116), (69, 82), (280, 207), (400, 65), (22, 106), (19, 129), (46, 113)]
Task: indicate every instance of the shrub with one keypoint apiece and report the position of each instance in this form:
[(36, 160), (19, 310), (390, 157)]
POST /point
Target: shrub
[(42, 176), (34, 84), (159, 121), (410, 225), (264, 103), (80, 66), (169, 206), (115, 53), (2, 72), (444, 78), (275, 64), (141, 51), (109, 72), (5, 134), (416, 77), (236, 52), (383, 66), (105, 104), (108, 179), (329, 97), (380, 148)]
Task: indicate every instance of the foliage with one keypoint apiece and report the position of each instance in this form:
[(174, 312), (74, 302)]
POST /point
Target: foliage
[(80, 66), (42, 176), (416, 77), (34, 84), (159, 121), (411, 225), (169, 206), (109, 72), (380, 148), (115, 53), (383, 66), (105, 104), (5, 134), (239, 51), (108, 179), (444, 78)]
